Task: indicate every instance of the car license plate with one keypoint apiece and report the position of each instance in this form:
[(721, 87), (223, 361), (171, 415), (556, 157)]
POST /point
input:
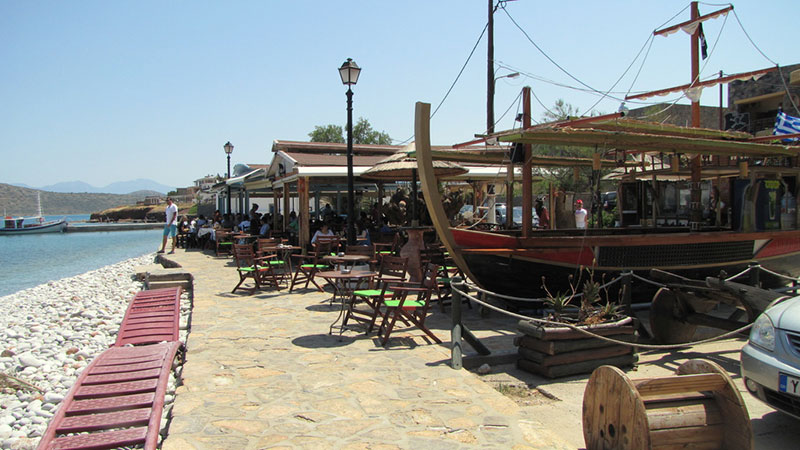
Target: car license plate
[(789, 384)]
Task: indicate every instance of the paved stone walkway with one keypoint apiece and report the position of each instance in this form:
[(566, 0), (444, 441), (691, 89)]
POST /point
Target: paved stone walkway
[(262, 372)]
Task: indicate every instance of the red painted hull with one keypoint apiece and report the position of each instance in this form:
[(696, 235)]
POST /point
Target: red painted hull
[(515, 266)]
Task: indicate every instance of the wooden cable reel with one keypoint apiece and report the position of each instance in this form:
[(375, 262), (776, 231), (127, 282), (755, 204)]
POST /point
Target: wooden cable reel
[(698, 408)]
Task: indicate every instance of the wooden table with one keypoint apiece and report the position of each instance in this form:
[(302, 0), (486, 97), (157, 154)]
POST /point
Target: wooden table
[(285, 251), (343, 285)]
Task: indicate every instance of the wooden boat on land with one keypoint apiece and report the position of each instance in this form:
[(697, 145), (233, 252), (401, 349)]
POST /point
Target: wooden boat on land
[(664, 174), (659, 228)]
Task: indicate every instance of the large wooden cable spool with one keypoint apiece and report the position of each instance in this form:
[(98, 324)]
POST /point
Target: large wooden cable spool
[(699, 407)]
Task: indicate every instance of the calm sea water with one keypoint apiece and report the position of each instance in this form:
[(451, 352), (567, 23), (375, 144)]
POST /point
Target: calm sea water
[(27, 261)]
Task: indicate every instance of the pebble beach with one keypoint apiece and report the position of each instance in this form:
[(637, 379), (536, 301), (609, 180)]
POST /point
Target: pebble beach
[(48, 335)]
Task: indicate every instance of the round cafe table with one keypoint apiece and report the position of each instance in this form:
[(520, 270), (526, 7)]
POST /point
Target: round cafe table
[(345, 260), (343, 286)]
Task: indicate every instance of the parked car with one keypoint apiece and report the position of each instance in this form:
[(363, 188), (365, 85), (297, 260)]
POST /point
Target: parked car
[(771, 358), (609, 200)]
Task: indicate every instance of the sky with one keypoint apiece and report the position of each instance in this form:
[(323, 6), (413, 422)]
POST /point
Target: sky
[(105, 91)]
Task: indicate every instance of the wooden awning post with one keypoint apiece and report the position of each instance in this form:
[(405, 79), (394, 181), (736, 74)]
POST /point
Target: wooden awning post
[(303, 219), (287, 192)]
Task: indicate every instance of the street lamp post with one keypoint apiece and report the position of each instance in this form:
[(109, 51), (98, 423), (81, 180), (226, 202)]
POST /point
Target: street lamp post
[(228, 150), (349, 73)]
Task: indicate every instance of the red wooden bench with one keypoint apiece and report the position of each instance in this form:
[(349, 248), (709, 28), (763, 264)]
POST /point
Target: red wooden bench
[(116, 401), (152, 316)]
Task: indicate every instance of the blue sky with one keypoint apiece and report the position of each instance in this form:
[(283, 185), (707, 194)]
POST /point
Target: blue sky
[(104, 91)]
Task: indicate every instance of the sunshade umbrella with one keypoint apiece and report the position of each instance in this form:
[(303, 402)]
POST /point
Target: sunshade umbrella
[(401, 166)]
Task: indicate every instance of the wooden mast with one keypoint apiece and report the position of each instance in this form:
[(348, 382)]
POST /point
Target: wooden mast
[(696, 214)]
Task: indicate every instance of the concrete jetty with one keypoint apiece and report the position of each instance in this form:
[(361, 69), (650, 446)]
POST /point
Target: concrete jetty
[(84, 228)]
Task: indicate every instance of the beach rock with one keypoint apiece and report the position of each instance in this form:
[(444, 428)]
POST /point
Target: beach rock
[(52, 397)]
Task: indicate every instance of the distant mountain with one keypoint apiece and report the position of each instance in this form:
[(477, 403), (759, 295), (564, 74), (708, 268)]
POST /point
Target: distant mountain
[(119, 187), (15, 200)]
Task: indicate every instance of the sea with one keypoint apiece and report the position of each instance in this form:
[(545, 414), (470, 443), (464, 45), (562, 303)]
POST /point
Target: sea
[(30, 260)]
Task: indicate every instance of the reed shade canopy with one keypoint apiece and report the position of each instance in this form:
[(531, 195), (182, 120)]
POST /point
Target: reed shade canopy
[(402, 167)]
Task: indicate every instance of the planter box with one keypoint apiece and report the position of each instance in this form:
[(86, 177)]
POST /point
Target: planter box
[(561, 351)]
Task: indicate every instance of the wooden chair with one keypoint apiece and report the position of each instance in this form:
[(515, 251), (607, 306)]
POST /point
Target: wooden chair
[(364, 250), (307, 266), (409, 309), (330, 242), (268, 246), (224, 242), (248, 265), (394, 269), (389, 248)]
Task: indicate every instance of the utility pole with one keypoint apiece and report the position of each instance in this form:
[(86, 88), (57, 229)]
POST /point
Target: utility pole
[(490, 72)]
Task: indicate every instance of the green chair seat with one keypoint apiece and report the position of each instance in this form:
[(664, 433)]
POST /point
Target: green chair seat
[(276, 263), (371, 292), (408, 304), (385, 252), (312, 266), (444, 280), (225, 243)]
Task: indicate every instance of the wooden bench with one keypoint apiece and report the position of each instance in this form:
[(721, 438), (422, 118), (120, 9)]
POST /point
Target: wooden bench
[(116, 402), (153, 316)]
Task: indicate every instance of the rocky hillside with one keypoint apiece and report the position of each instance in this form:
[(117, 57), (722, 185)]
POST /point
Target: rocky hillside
[(16, 200)]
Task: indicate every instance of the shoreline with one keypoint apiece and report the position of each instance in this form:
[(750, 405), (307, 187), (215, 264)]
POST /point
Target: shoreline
[(49, 334)]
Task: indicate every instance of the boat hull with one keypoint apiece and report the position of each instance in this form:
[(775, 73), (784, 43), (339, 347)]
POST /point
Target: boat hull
[(522, 267), (48, 227)]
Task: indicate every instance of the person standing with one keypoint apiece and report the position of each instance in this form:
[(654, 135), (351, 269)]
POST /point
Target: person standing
[(580, 214), (171, 226), (544, 216)]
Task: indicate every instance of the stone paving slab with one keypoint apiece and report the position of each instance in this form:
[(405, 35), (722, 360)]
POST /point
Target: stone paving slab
[(261, 371)]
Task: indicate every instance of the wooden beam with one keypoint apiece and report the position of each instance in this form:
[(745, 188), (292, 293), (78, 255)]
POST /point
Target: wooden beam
[(430, 188)]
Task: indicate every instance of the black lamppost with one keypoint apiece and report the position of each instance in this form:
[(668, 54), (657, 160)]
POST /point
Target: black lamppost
[(228, 150), (349, 73)]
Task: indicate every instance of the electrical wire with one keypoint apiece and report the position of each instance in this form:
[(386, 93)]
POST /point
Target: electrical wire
[(460, 72)]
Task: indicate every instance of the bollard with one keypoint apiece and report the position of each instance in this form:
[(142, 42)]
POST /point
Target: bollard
[(456, 351)]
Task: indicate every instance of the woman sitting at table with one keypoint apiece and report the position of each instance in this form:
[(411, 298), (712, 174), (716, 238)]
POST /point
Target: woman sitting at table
[(323, 231)]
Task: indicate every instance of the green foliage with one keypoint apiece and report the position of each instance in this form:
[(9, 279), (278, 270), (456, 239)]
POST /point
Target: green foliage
[(328, 133), (192, 211), (560, 111), (362, 134)]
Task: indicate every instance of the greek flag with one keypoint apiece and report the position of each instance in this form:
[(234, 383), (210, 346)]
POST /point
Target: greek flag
[(786, 124)]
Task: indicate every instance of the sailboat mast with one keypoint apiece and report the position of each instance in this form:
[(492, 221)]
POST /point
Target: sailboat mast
[(694, 43), (696, 212)]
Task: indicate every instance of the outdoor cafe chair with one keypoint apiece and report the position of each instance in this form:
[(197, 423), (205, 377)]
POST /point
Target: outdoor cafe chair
[(249, 266), (266, 246), (307, 266), (224, 242), (363, 250), (393, 270), (410, 305)]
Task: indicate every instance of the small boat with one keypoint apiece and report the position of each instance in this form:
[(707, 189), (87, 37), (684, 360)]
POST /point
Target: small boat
[(32, 225)]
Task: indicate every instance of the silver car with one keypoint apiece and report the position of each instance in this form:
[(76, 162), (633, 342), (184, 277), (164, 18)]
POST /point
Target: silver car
[(771, 357)]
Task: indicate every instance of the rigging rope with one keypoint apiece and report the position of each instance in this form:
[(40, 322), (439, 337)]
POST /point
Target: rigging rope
[(586, 332)]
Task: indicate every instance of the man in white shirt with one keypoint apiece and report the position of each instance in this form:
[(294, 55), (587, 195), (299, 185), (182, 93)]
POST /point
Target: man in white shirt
[(171, 226), (580, 215)]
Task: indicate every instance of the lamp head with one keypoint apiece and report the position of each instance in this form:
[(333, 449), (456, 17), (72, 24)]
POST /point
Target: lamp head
[(349, 72), (228, 147)]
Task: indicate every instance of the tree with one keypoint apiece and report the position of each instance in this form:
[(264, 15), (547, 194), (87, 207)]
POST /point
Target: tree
[(328, 133), (362, 134), (564, 177)]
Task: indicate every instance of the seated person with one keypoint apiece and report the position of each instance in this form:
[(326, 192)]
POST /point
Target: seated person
[(324, 231), (244, 225), (264, 230)]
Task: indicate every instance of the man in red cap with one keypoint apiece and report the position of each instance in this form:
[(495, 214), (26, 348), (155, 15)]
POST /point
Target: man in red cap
[(580, 214)]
